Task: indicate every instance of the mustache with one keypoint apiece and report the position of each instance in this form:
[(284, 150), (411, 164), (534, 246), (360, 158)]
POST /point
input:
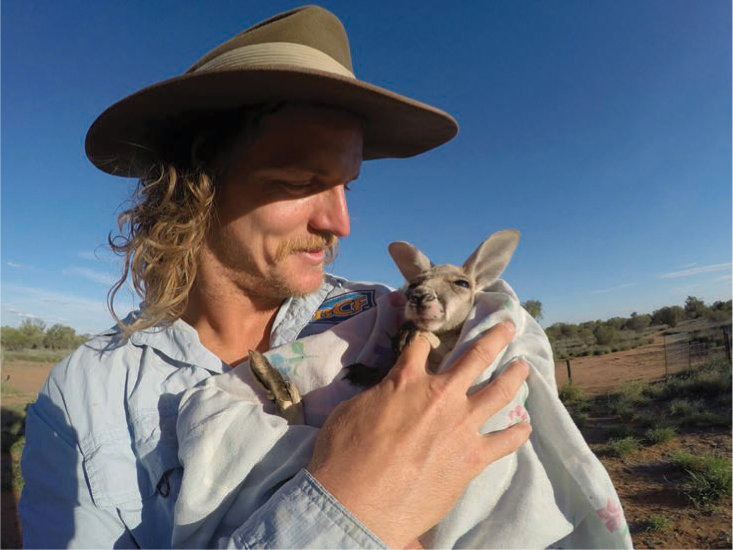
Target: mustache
[(327, 242)]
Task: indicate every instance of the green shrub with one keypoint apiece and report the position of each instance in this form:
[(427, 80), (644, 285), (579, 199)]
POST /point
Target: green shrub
[(706, 419), (571, 393), (685, 407), (709, 477), (619, 431), (580, 418), (661, 435), (606, 334), (684, 460), (658, 523), (633, 390), (645, 420), (622, 447)]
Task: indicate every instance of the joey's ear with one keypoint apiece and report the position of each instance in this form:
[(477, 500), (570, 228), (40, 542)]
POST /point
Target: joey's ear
[(491, 257), (410, 261)]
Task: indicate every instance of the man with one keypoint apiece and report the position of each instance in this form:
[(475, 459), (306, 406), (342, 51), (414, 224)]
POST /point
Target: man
[(244, 163)]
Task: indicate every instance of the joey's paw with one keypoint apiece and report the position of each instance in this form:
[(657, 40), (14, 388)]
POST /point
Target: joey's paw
[(281, 392), (404, 337), (365, 376)]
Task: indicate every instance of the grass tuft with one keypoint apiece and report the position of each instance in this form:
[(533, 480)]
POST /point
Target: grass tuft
[(622, 447), (709, 477), (661, 435), (658, 523), (571, 393)]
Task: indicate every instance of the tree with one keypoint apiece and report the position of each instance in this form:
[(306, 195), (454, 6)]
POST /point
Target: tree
[(695, 307), (639, 322), (568, 330), (668, 316), (534, 308), (553, 333), (616, 322), (587, 337), (60, 337), (34, 331), (606, 334), (13, 340)]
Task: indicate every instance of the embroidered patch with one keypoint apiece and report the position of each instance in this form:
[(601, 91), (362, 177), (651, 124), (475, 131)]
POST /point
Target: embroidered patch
[(339, 308)]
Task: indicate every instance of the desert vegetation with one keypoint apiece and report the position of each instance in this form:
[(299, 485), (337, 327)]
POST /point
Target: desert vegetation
[(625, 333), (32, 334), (667, 447)]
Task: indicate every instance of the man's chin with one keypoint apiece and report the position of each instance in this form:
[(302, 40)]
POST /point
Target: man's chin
[(302, 282)]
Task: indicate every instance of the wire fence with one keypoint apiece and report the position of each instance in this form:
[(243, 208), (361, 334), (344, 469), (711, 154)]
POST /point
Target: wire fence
[(686, 350), (677, 350)]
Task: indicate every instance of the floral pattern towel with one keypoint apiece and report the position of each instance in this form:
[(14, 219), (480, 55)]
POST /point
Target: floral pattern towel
[(552, 493)]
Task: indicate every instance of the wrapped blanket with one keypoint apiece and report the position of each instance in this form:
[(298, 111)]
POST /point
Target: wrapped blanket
[(553, 492)]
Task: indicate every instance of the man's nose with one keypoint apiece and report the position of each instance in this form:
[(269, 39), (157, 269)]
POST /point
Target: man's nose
[(331, 213)]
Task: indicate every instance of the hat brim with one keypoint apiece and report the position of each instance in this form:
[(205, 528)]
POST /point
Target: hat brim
[(120, 141)]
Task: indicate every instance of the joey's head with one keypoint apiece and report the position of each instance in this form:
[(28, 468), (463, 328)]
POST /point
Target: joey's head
[(439, 298)]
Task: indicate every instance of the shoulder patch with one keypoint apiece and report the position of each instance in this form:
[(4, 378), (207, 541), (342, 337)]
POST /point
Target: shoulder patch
[(339, 308)]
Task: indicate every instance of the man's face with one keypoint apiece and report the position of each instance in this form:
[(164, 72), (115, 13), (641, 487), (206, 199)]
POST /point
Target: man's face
[(281, 201)]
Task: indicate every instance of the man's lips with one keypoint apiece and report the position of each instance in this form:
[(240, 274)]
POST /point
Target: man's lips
[(315, 256)]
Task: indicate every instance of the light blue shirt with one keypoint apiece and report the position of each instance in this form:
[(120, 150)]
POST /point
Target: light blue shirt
[(100, 462)]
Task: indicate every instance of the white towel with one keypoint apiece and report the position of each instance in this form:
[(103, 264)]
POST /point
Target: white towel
[(553, 492)]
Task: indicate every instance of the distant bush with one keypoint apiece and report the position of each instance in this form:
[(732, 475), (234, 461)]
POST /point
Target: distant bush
[(668, 316), (605, 335), (638, 323), (33, 335)]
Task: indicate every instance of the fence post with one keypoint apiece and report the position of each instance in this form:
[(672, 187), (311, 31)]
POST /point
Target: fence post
[(570, 374), (726, 342), (666, 367), (689, 354)]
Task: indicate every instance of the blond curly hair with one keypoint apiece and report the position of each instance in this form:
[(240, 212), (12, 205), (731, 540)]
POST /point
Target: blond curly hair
[(161, 235), (160, 239)]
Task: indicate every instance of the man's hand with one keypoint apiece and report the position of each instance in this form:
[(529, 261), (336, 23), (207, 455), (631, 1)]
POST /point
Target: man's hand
[(400, 454)]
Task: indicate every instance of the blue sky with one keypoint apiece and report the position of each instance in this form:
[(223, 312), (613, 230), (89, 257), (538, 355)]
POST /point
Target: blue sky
[(601, 130)]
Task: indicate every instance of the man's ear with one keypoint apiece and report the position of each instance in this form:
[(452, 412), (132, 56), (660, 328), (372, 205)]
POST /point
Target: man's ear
[(410, 261), (491, 257)]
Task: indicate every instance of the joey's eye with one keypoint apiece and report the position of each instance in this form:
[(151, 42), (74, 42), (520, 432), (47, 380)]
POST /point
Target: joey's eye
[(463, 283)]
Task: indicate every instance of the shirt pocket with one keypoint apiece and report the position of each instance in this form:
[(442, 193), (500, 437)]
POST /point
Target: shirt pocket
[(111, 469), (140, 481)]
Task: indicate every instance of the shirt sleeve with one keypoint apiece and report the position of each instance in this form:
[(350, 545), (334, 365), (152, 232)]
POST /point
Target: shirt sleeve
[(245, 483), (56, 508), (302, 514)]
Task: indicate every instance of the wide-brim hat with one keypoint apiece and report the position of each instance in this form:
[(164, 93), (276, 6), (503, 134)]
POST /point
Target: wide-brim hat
[(300, 56)]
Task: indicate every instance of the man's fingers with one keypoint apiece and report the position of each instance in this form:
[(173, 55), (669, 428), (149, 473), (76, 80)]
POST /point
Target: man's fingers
[(500, 444), (480, 355), (414, 358), (499, 392)]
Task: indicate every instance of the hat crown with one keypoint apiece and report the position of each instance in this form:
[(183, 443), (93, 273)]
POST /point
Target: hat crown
[(310, 26)]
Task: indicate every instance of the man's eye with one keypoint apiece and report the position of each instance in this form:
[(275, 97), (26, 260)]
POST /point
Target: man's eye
[(295, 186)]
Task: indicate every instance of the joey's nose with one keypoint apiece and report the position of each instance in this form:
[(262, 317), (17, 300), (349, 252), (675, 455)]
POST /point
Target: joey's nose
[(331, 214), (419, 296)]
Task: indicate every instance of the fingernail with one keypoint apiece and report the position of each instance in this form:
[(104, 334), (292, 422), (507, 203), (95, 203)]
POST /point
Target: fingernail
[(522, 365), (509, 325)]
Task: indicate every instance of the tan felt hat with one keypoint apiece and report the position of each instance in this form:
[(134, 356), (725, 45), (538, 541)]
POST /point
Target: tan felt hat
[(299, 56)]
